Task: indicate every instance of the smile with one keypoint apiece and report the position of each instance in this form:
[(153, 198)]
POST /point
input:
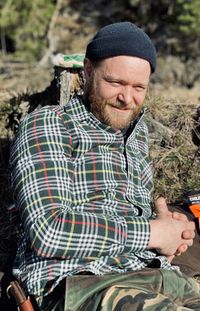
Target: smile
[(123, 109)]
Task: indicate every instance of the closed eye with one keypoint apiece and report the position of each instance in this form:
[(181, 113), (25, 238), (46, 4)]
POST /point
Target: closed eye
[(140, 88), (113, 82)]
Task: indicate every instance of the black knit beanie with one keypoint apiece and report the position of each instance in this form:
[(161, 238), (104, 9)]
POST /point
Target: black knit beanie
[(123, 38)]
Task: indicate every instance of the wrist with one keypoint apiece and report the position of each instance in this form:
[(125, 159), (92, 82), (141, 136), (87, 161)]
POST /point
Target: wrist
[(155, 240)]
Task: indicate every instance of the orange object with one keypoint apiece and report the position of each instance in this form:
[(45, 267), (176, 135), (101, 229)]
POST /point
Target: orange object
[(195, 209)]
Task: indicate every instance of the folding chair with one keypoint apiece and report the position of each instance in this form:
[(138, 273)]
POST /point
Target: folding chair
[(24, 303)]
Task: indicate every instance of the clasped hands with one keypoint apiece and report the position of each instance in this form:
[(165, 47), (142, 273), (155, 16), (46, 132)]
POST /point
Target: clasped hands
[(171, 232)]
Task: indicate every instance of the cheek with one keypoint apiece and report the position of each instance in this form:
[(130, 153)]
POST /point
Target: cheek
[(107, 92), (139, 98)]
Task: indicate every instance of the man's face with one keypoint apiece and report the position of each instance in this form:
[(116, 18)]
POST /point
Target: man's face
[(116, 88)]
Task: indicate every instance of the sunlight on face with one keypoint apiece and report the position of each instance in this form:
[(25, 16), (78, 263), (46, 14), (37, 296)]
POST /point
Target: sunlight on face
[(116, 88)]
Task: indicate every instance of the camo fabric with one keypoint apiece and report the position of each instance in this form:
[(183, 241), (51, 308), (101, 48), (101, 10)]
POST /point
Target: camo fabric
[(149, 290)]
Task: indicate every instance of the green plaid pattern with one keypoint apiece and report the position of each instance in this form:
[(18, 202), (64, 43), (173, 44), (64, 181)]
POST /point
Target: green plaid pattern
[(83, 194)]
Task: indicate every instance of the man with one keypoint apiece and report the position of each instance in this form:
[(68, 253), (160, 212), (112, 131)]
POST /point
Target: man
[(82, 183)]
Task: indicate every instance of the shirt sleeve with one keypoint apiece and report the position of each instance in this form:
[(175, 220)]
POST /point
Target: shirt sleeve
[(42, 176)]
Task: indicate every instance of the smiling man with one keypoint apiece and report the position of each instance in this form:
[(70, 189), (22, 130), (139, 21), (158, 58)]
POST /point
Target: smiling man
[(114, 92), (83, 183)]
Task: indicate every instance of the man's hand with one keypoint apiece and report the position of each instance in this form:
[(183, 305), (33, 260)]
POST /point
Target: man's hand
[(171, 233), (161, 208)]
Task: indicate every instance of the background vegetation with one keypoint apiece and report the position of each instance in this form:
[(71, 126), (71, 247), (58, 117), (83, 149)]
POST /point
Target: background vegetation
[(173, 25), (24, 26)]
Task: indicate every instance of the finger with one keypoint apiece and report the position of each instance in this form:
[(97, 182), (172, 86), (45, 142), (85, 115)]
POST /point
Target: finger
[(161, 206), (188, 234), (178, 253), (188, 242), (179, 216), (181, 249), (170, 258), (192, 225)]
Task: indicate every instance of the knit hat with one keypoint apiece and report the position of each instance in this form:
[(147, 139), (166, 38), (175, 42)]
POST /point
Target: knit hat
[(123, 38)]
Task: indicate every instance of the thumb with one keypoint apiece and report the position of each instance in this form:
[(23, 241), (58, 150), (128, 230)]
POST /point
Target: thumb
[(161, 206), (170, 258)]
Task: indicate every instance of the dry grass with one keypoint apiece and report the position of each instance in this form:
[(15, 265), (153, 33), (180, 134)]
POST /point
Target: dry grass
[(176, 159)]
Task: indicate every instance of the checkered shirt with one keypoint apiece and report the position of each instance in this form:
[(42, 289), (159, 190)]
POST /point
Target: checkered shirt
[(83, 194)]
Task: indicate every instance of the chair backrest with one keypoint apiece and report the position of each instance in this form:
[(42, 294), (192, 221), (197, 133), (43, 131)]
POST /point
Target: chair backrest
[(68, 73), (23, 302)]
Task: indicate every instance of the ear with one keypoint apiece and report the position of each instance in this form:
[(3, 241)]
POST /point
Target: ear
[(88, 68)]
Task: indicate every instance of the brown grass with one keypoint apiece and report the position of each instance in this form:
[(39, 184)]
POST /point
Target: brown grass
[(176, 159)]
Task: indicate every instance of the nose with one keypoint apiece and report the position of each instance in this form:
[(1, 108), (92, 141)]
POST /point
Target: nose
[(126, 95)]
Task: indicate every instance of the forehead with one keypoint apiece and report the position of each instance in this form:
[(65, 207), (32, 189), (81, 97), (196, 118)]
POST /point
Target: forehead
[(125, 67)]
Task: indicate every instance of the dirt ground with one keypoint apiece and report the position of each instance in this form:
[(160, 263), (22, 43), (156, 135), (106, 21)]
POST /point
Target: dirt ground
[(27, 78)]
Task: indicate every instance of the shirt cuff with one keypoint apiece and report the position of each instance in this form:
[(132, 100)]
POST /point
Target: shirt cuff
[(138, 234)]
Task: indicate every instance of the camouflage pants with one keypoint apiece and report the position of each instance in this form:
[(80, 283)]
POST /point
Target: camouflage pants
[(149, 290)]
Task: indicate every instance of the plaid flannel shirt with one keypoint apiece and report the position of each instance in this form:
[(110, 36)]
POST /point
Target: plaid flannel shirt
[(83, 194)]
